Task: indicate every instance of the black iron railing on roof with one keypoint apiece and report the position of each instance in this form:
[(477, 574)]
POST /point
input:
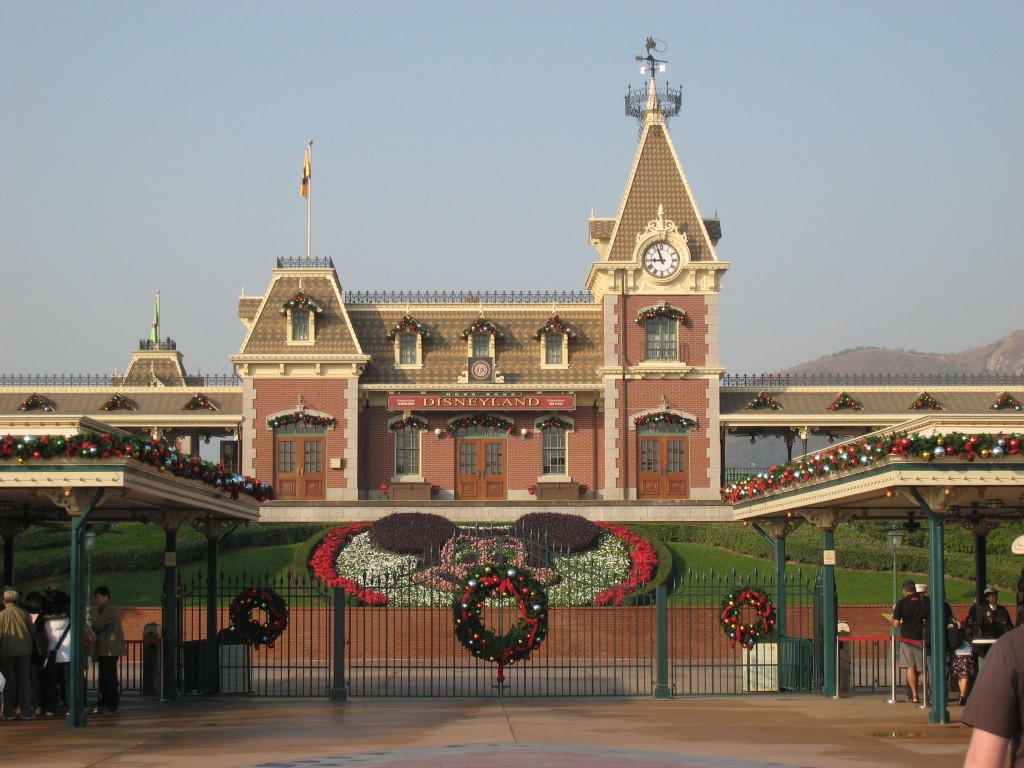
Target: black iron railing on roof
[(778, 380), (304, 262), (106, 380), (468, 297), (162, 346)]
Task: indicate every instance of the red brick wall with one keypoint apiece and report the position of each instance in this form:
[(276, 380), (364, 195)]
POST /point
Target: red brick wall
[(277, 395)]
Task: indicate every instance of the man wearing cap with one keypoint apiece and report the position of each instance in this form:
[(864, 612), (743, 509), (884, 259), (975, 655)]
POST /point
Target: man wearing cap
[(993, 619), (909, 618)]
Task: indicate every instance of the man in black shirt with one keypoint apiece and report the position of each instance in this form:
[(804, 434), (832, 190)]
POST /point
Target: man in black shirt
[(909, 617)]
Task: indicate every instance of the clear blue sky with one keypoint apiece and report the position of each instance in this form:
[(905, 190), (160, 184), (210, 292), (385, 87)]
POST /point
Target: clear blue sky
[(866, 159)]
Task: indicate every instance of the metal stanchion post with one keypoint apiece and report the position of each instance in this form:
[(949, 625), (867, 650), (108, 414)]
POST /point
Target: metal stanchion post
[(892, 658)]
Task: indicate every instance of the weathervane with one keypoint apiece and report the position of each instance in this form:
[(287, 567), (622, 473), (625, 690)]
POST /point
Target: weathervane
[(639, 102)]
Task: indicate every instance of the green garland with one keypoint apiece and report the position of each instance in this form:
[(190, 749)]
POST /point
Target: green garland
[(481, 325), (926, 402), (409, 422), (118, 402), (844, 402), (662, 310), (1006, 400), (36, 403), (523, 637), (862, 453), (480, 420), (663, 417), (747, 633), (301, 417), (157, 453), (301, 301), (554, 325), (246, 627), (408, 324), (199, 402), (763, 400), (553, 422)]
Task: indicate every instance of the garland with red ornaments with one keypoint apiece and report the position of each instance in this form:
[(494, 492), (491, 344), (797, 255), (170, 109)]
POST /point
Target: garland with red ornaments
[(747, 632), (118, 403), (481, 325), (926, 402), (762, 401), (862, 453), (409, 422), (92, 445), (554, 325), (301, 301), (661, 310), (408, 324), (199, 402), (36, 402), (1004, 401), (663, 417), (252, 630), (481, 420), (844, 402), (525, 636)]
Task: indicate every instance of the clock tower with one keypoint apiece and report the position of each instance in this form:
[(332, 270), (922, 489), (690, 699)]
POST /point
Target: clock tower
[(657, 279)]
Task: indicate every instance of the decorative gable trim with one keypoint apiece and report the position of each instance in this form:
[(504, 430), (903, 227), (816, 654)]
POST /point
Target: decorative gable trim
[(926, 402), (659, 310), (118, 402), (408, 324), (36, 403), (300, 301), (308, 418), (554, 325), (844, 402), (685, 420), (762, 401), (481, 325), (1006, 401), (199, 402), (409, 422)]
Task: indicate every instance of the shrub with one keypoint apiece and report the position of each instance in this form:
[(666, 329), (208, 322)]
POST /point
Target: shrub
[(411, 533), (565, 532)]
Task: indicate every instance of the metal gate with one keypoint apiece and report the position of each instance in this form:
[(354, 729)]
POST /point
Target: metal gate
[(703, 661), (212, 660), (401, 650)]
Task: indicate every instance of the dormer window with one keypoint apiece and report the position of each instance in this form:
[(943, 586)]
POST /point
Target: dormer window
[(480, 338), (481, 345), (554, 336), (300, 312), (408, 336)]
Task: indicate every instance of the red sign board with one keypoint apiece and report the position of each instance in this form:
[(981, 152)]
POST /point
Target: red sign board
[(482, 402)]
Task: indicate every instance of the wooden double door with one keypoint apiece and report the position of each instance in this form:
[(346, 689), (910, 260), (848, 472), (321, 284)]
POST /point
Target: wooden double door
[(662, 467), (481, 473), (300, 467)]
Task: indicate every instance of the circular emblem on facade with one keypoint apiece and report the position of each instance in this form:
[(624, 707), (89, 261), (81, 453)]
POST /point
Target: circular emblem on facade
[(480, 370)]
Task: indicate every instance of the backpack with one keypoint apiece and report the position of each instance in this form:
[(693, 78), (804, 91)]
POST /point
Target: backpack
[(954, 635)]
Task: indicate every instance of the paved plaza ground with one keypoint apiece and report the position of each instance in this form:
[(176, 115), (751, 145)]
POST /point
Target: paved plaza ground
[(732, 732)]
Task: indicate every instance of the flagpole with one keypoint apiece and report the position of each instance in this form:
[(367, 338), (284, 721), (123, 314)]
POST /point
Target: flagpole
[(309, 196)]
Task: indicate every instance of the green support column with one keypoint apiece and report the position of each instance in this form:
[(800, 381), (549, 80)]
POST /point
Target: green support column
[(169, 677), (212, 661), (76, 669), (779, 543), (938, 714), (662, 689), (338, 685), (828, 639)]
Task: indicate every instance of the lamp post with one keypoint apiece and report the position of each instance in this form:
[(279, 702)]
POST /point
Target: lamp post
[(895, 536), (89, 544)]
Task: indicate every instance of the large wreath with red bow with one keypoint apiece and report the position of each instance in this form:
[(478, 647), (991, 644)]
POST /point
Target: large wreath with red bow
[(248, 627), (523, 637), (746, 631)]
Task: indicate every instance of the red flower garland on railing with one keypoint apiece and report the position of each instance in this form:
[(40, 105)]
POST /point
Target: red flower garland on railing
[(323, 563), (747, 633), (644, 564)]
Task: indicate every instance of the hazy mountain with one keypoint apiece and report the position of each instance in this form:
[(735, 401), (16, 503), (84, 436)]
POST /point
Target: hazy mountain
[(1002, 357)]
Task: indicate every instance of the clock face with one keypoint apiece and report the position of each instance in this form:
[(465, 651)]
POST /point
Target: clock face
[(661, 260)]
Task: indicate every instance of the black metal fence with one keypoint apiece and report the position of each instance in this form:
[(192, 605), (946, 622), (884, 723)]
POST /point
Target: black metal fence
[(703, 660), (211, 659)]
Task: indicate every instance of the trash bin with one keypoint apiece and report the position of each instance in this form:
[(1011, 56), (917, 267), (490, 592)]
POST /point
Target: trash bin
[(761, 667), (151, 660), (235, 657), (845, 659)]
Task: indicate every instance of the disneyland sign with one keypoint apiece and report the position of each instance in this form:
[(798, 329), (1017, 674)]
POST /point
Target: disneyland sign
[(481, 402)]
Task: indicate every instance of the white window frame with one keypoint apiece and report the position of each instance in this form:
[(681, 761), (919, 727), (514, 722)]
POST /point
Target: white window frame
[(419, 350), (408, 434), (668, 323), (291, 328), (561, 339)]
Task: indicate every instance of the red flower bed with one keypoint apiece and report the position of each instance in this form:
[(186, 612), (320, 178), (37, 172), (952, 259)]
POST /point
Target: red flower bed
[(643, 557), (324, 558)]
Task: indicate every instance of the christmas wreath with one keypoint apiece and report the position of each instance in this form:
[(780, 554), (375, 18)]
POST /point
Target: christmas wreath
[(527, 633), (249, 628), (747, 633)]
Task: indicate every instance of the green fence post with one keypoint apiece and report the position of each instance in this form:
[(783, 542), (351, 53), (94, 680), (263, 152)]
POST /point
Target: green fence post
[(338, 683), (662, 690)]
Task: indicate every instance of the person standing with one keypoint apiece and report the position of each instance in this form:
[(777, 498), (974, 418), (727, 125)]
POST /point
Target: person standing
[(16, 644), (965, 665), (992, 618), (58, 649), (995, 709), (110, 646), (909, 618)]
